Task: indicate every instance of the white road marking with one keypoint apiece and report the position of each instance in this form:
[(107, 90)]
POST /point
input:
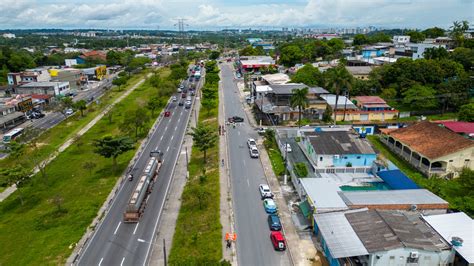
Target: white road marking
[(123, 259), (166, 128), (238, 132), (172, 136), (134, 231), (248, 183), (176, 127), (167, 149), (116, 229), (161, 138), (179, 119), (101, 261), (243, 162)]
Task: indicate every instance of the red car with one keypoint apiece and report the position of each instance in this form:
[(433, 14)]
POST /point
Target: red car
[(167, 113), (278, 240), (183, 95)]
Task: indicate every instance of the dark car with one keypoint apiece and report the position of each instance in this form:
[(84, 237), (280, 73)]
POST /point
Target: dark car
[(274, 222), (181, 103), (236, 119), (183, 95)]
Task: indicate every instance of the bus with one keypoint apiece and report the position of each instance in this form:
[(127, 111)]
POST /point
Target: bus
[(12, 135)]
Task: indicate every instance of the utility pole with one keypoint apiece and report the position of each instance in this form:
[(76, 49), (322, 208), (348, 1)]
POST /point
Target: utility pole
[(164, 252), (181, 26)]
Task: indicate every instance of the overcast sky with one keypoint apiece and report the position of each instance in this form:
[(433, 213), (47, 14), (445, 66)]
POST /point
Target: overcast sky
[(217, 14)]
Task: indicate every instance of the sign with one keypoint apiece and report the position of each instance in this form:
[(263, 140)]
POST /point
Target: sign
[(230, 236), (25, 105)]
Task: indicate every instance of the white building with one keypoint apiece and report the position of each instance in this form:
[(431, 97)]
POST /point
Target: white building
[(400, 39), (9, 36), (44, 88)]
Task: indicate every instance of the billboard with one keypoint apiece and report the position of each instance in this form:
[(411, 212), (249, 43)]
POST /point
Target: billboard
[(25, 105), (100, 72)]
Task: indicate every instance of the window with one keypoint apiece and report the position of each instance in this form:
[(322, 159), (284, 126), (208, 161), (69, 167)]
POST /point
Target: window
[(321, 159), (450, 161), (358, 157)]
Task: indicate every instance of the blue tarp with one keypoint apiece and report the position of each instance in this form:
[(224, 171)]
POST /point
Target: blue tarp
[(396, 179)]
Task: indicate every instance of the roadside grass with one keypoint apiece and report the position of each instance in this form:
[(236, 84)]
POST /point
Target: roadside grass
[(197, 239), (276, 159), (52, 139), (58, 209)]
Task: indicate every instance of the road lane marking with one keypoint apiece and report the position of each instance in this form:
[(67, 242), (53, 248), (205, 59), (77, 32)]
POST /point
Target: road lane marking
[(179, 119), (123, 259), (167, 149), (238, 132), (172, 136), (116, 229), (176, 127), (243, 162), (161, 138), (166, 128), (134, 231), (248, 183), (101, 261)]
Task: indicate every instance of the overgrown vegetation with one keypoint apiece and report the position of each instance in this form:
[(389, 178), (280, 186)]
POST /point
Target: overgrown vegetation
[(458, 192), (300, 169), (270, 143), (197, 238), (60, 205)]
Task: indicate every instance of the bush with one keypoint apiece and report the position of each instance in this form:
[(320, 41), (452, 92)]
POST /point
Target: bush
[(300, 169)]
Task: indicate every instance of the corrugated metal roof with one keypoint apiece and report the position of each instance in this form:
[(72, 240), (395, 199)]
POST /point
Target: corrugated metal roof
[(339, 235), (387, 197), (455, 224), (396, 179), (323, 192)]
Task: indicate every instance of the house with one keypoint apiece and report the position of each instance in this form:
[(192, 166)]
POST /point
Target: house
[(9, 117), (431, 148), (400, 39), (372, 108), (48, 88), (378, 237), (338, 150), (254, 63), (344, 105), (273, 100), (415, 50), (92, 56), (321, 194), (29, 75), (360, 72), (465, 129), (456, 229), (75, 77), (400, 199), (9, 36)]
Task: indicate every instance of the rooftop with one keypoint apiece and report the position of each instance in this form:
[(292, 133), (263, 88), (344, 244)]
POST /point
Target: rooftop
[(370, 100), (278, 78), (455, 224), (289, 87), (431, 140), (323, 193), (359, 70), (391, 197), (341, 102), (42, 84), (385, 230), (338, 142), (339, 235), (459, 127)]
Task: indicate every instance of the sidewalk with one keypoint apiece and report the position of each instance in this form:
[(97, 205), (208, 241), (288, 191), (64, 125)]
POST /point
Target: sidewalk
[(7, 192), (226, 209)]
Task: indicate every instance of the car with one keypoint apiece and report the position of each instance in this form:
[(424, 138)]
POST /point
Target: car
[(278, 241), (192, 93), (261, 130), (183, 95), (181, 86), (179, 90), (288, 147), (274, 222), (235, 119), (68, 111), (253, 152), (251, 143), (174, 98), (181, 103), (265, 191), (187, 104), (167, 114), (269, 206)]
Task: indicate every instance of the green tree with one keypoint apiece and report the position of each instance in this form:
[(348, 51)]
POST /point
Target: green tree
[(16, 149), (436, 53), (433, 32), (248, 51), (208, 105), (299, 99), (63, 105), (113, 58), (327, 114), (135, 121), (18, 176), (80, 105), (420, 97), (112, 147), (457, 31), (291, 55), (416, 36), (204, 138), (308, 75), (153, 104), (466, 112), (119, 82), (360, 39), (338, 78), (464, 56), (214, 55), (389, 93)]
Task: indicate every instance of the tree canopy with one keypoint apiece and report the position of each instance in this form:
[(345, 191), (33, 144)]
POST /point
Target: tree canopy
[(112, 147)]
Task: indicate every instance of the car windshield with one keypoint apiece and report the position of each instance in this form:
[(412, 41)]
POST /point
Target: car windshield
[(252, 142), (270, 203)]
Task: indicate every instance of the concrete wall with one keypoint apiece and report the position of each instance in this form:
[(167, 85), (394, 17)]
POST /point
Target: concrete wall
[(400, 256)]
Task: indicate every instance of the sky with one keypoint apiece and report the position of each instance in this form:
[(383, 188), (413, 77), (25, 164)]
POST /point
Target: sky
[(219, 14)]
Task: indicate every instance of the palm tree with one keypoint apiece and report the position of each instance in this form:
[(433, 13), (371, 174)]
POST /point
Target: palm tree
[(299, 99), (339, 78)]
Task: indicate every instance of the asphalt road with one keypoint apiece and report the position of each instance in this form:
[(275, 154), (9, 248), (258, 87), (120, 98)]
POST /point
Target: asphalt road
[(116, 242), (253, 235)]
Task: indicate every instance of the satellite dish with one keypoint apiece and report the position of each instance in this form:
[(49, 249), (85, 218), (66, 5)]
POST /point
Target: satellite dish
[(413, 207)]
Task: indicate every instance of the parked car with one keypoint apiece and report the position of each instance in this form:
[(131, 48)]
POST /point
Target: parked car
[(278, 241), (69, 111), (261, 130), (269, 206), (181, 103), (274, 222), (265, 191), (251, 143), (179, 90), (253, 152), (235, 119), (174, 98), (167, 114), (183, 95), (192, 93), (288, 147)]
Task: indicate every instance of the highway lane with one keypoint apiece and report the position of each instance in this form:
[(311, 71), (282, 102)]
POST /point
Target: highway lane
[(115, 242), (253, 235)]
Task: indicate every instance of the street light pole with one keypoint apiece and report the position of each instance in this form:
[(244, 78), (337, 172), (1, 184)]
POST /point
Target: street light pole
[(164, 252), (286, 164)]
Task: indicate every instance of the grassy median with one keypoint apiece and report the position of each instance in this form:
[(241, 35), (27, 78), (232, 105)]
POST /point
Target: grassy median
[(197, 239), (59, 208)]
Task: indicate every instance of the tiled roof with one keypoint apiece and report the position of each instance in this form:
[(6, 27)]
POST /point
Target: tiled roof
[(431, 140), (459, 127), (370, 100)]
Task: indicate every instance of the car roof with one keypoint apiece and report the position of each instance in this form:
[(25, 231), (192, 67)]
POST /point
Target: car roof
[(251, 139), (278, 235), (264, 186), (274, 217), (270, 202)]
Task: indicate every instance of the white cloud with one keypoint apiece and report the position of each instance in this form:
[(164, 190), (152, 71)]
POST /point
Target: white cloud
[(219, 13)]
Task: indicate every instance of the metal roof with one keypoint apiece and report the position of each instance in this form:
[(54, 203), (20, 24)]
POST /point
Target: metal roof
[(323, 193), (388, 197), (455, 224), (338, 142), (340, 237), (44, 84), (396, 179)]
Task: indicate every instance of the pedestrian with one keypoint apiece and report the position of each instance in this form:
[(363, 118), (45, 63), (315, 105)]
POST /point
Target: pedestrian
[(222, 161), (228, 243)]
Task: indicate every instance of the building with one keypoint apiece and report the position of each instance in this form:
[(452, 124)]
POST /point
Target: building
[(92, 55), (9, 35), (456, 229), (465, 129), (360, 72), (273, 100), (76, 78), (254, 63), (431, 148), (10, 117), (415, 50), (338, 150), (29, 75), (400, 39), (376, 237), (45, 88), (371, 108), (321, 194), (400, 199)]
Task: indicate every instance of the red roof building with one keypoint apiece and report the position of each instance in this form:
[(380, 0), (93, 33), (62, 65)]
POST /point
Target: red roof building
[(463, 128)]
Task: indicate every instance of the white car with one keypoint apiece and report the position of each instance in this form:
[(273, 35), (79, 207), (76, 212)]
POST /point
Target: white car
[(265, 191), (69, 111), (251, 143), (174, 98), (253, 152), (288, 147), (179, 90)]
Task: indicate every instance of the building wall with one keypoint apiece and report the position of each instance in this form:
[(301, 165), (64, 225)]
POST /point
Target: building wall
[(400, 257), (456, 161), (366, 116), (431, 208)]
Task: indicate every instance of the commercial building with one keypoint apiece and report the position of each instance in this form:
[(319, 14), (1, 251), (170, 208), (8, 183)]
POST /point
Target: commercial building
[(431, 148), (254, 63), (29, 75), (10, 117), (46, 88)]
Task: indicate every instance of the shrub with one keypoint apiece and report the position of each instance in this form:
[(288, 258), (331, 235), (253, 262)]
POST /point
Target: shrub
[(301, 170)]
